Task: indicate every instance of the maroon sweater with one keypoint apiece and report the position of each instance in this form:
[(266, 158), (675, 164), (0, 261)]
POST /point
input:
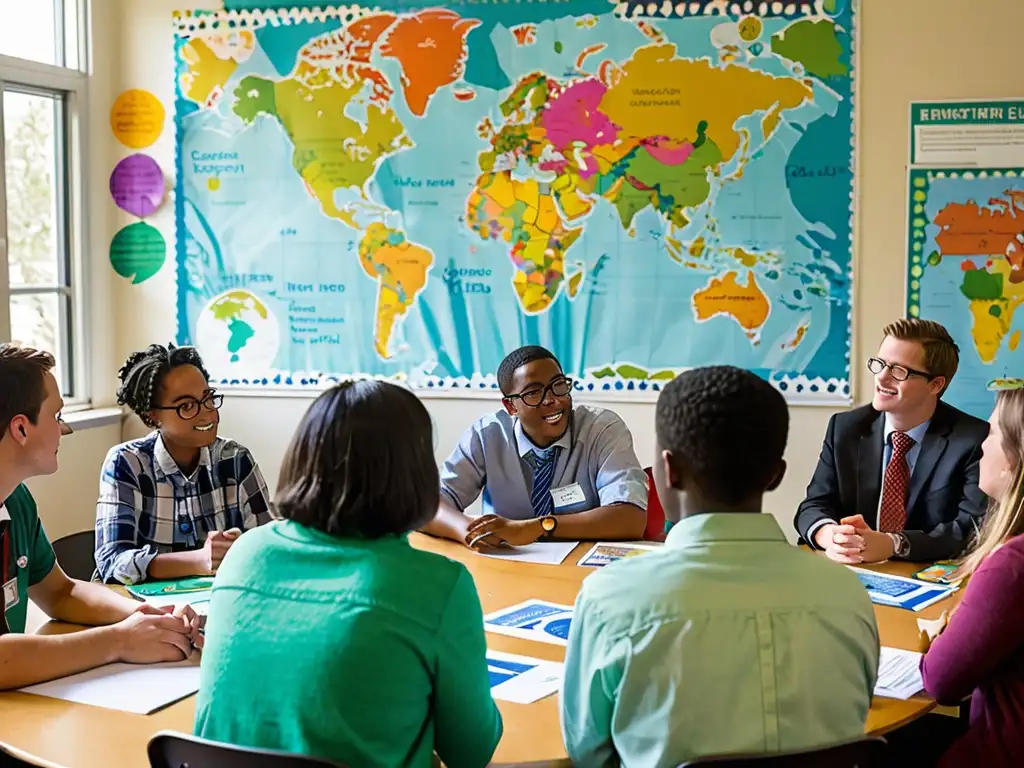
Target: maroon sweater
[(982, 650)]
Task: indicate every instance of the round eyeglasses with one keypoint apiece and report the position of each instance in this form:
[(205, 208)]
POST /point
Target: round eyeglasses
[(534, 396), (190, 408)]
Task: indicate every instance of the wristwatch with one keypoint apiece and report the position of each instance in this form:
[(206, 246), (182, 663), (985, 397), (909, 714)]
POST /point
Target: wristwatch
[(900, 544), (549, 523)]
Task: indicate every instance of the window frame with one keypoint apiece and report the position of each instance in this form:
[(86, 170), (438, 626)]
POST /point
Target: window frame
[(70, 84)]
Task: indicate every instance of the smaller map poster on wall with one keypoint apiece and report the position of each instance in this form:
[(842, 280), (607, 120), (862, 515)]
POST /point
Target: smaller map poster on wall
[(966, 271)]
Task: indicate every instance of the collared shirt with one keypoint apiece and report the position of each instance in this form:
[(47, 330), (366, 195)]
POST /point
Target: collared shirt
[(917, 435), (495, 456), (726, 639), (147, 506), (31, 557), (402, 627)]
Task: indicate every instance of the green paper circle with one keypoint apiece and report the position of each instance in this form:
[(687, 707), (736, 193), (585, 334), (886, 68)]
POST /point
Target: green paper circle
[(138, 251)]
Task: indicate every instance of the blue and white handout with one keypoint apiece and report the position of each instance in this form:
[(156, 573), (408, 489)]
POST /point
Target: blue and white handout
[(901, 592), (532, 620), (520, 679)]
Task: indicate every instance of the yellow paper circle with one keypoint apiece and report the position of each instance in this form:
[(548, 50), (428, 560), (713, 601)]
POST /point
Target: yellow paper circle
[(137, 118)]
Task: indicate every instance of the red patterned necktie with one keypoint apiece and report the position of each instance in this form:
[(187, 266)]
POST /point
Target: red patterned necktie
[(893, 514)]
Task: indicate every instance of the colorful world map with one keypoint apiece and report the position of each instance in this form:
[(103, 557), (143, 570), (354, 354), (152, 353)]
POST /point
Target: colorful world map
[(967, 272), (413, 192)]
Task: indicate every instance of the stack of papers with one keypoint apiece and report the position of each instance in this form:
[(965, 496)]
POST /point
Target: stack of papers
[(901, 592), (899, 674), (141, 689), (543, 552), (520, 679)]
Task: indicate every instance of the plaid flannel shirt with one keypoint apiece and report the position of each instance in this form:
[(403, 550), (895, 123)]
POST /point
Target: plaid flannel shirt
[(147, 506)]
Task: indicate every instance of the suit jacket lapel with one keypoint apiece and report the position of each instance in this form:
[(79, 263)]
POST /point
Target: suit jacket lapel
[(869, 469), (934, 445)]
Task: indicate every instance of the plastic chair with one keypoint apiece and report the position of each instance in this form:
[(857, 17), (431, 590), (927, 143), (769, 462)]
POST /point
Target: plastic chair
[(868, 752), (169, 749), (655, 514), (76, 554)]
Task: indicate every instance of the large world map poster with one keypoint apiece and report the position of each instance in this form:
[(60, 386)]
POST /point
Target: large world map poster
[(414, 190), (966, 270)]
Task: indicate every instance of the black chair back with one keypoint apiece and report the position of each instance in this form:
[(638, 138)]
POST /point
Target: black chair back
[(869, 752), (76, 554), (168, 749), (15, 758)]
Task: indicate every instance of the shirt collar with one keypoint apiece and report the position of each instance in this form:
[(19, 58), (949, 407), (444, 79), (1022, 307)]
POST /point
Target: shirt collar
[(526, 446), (721, 527), (166, 464), (916, 434), (4, 514)]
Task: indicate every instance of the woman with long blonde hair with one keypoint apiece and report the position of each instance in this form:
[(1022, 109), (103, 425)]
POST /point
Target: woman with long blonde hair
[(981, 651)]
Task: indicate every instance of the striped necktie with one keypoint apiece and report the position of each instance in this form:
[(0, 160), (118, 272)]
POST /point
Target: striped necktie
[(543, 474)]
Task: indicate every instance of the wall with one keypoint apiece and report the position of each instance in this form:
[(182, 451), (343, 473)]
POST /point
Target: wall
[(909, 49)]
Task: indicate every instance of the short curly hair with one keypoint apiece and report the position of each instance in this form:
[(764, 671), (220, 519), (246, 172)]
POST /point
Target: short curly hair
[(516, 360), (143, 372), (727, 428)]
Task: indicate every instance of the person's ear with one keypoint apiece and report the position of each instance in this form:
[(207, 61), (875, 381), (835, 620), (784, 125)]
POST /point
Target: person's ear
[(673, 475), (510, 407), (19, 429), (779, 474), (936, 385)]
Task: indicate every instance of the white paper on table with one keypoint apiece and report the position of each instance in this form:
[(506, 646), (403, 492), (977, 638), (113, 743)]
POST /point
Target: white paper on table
[(532, 620), (899, 674), (521, 679), (141, 689), (543, 552)]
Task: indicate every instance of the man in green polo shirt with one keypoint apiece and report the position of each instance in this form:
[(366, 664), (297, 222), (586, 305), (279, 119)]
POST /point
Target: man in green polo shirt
[(123, 629)]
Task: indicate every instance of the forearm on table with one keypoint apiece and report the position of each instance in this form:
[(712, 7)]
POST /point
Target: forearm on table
[(622, 522), (29, 659), (177, 565), (92, 605), (448, 523)]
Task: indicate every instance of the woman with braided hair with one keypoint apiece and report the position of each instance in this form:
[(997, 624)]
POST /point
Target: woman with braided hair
[(172, 503)]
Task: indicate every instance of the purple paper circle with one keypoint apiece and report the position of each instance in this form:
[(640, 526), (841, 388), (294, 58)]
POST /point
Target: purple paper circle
[(137, 185)]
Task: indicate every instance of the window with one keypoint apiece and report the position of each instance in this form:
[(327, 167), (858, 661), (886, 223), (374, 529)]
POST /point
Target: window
[(43, 108)]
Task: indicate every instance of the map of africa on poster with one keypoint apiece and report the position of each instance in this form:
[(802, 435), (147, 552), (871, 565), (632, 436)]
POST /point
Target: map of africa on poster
[(967, 272), (414, 191)]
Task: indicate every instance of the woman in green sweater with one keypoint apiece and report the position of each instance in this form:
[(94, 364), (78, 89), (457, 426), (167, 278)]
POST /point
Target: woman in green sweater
[(328, 634)]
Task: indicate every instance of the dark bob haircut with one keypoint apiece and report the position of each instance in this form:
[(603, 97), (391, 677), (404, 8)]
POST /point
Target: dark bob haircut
[(361, 463)]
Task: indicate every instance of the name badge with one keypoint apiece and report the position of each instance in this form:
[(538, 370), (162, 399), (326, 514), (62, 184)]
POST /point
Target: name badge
[(568, 495), (10, 594)]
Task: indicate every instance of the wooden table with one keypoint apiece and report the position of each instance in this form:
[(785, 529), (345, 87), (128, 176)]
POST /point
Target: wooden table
[(78, 736)]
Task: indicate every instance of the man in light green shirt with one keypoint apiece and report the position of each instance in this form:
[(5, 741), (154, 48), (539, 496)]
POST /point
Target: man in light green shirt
[(727, 639)]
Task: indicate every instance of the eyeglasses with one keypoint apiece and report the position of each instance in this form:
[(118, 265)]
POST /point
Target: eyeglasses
[(899, 372), (534, 397), (190, 408)]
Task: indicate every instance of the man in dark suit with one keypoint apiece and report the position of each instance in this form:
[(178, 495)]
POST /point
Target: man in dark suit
[(899, 478)]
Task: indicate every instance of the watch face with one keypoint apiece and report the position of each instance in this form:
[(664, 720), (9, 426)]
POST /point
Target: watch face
[(548, 523)]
